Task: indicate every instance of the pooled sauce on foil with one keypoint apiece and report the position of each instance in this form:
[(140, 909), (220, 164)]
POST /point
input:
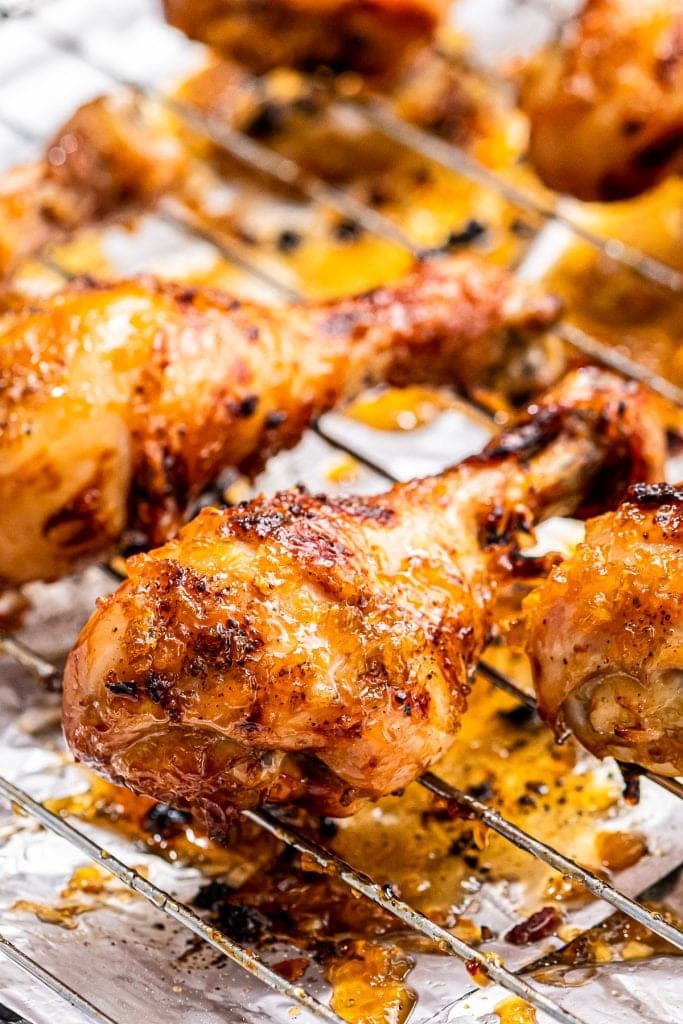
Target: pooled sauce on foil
[(88, 889), (514, 1010), (163, 830), (402, 409), (618, 939)]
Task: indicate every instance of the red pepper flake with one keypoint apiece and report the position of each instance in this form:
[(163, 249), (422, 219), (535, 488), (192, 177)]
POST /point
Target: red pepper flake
[(539, 926)]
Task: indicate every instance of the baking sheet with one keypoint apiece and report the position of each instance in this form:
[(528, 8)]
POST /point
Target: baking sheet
[(117, 955)]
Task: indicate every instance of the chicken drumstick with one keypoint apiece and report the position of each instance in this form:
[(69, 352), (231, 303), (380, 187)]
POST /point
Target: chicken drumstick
[(604, 634), (370, 36), (606, 102), (120, 403), (104, 160), (319, 650)]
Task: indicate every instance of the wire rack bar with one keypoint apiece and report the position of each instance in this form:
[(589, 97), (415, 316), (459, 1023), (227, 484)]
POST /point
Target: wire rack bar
[(504, 683), (383, 896), (45, 671), (524, 841), (65, 992), (175, 213), (163, 901), (616, 360)]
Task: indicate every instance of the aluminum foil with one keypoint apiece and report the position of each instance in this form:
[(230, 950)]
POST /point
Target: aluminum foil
[(118, 955)]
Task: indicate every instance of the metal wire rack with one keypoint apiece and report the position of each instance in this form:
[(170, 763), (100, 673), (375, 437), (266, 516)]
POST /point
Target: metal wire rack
[(260, 157)]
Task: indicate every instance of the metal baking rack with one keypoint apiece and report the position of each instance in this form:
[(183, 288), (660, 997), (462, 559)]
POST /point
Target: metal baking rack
[(282, 170)]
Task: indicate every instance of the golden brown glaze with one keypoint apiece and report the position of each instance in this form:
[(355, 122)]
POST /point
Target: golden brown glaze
[(606, 102), (120, 403), (103, 159), (370, 36), (604, 634), (319, 650)]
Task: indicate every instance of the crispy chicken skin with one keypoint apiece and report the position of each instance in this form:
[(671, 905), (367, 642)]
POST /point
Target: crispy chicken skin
[(606, 102), (605, 634), (120, 403), (103, 159), (373, 37), (319, 650)]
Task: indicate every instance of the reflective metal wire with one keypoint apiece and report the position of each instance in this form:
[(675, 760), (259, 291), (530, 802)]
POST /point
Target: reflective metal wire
[(288, 173), (616, 360), (64, 991), (165, 902), (44, 670), (383, 896), (567, 867)]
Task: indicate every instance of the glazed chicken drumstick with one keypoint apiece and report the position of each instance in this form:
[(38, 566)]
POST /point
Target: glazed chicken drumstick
[(120, 404), (605, 634), (103, 159), (319, 650), (606, 102), (370, 36)]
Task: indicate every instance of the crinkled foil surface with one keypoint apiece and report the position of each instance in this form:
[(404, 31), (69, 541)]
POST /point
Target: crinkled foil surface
[(123, 955)]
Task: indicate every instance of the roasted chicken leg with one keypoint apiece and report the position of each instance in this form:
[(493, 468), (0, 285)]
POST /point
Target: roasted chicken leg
[(605, 634), (120, 403), (606, 102), (103, 160), (319, 650), (370, 36)]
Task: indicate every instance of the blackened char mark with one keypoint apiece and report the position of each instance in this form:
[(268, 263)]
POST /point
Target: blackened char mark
[(654, 494), (528, 439), (122, 688)]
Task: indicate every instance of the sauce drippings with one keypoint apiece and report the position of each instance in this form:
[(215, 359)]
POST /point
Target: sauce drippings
[(171, 834), (368, 984), (619, 938), (399, 408), (515, 1011), (88, 889)]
